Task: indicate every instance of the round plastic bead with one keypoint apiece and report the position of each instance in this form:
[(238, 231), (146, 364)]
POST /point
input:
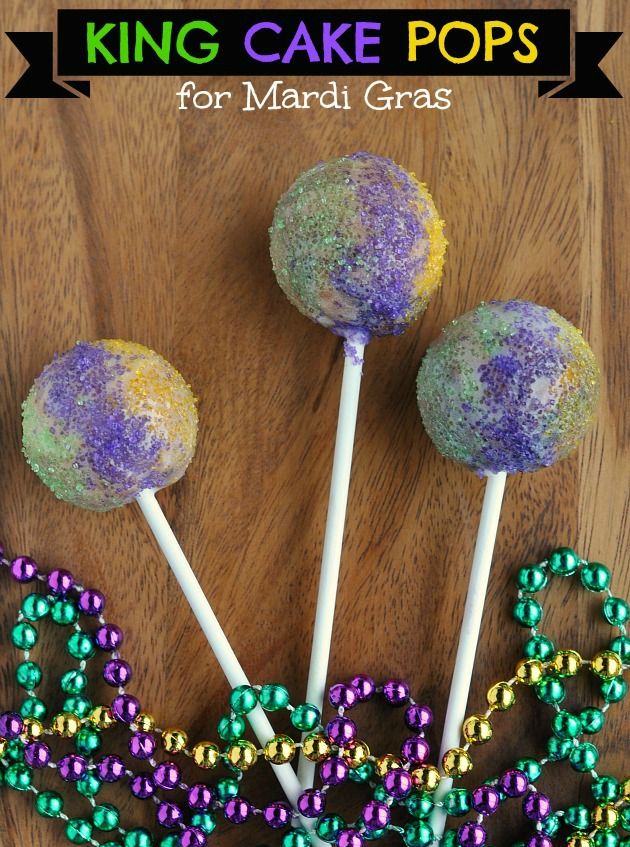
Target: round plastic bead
[(418, 834), (530, 767), (296, 838), (49, 804), (614, 690), (616, 611), (605, 816), (31, 728), (419, 805), (77, 705), (328, 827), (273, 697), (471, 835), (531, 578), (426, 778), (606, 664), (539, 647), (78, 831), (501, 697), (457, 802), (205, 754), (536, 806), (316, 747), (18, 776), (477, 729), (551, 691), (174, 740), (513, 783), (564, 561), (342, 695), (551, 825), (35, 607), (527, 612), (231, 729), (14, 751), (64, 612), (279, 750), (65, 725), (364, 686), (606, 789), (595, 577), (138, 837), (204, 821), (226, 788), (88, 741), (305, 717), (106, 817), (584, 757), (592, 720), (74, 682), (101, 717), (356, 753), (11, 725), (33, 707), (486, 799), (89, 785), (566, 663), (559, 748), (28, 675), (24, 636), (529, 671), (362, 773), (81, 646), (243, 699), (578, 817), (606, 839), (621, 646), (566, 725)]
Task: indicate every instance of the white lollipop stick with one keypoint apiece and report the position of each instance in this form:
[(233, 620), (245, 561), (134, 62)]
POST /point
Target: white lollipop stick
[(212, 629), (469, 634), (333, 541)]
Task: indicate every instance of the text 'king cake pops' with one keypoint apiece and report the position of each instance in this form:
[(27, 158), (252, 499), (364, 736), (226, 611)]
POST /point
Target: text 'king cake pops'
[(511, 386), (107, 420), (357, 246)]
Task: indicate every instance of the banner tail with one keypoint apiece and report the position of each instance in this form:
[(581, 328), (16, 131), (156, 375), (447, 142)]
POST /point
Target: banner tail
[(37, 80)]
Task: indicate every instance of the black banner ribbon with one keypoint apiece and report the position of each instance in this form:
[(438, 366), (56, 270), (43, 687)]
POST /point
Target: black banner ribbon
[(271, 42), (590, 81), (37, 80)]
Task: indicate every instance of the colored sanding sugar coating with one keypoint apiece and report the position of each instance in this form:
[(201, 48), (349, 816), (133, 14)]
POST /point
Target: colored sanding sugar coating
[(511, 386), (107, 420), (357, 246)]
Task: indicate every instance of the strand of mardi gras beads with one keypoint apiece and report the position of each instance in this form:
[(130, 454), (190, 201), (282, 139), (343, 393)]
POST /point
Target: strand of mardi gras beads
[(84, 724), (405, 781), (81, 721), (544, 669)]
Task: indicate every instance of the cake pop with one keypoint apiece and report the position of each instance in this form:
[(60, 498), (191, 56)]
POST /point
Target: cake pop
[(509, 387), (357, 246), (107, 420)]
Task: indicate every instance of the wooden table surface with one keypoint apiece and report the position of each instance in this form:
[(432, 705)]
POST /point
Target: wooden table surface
[(124, 217)]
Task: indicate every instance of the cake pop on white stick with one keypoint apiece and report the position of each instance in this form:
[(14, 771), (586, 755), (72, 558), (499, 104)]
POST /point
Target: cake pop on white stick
[(109, 422), (357, 246), (509, 387)]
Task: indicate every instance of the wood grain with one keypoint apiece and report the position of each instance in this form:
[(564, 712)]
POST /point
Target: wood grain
[(123, 217)]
